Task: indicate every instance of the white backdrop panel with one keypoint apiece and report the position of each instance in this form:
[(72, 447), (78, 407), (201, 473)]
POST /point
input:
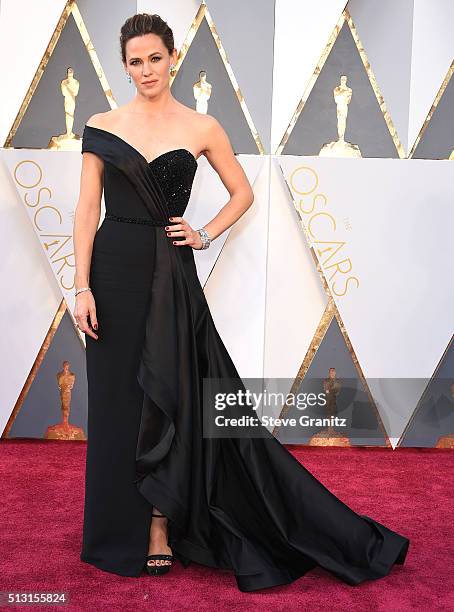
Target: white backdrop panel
[(50, 203), (30, 296), (395, 218), (295, 298), (208, 196), (432, 54), (235, 290)]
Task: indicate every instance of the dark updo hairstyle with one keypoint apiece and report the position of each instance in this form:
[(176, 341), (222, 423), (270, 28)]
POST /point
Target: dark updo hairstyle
[(145, 23)]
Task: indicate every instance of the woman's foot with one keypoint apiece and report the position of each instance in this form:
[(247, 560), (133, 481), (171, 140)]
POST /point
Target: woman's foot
[(158, 544)]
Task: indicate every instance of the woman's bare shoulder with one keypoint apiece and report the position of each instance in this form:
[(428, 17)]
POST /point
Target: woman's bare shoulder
[(203, 124), (201, 119), (102, 120)]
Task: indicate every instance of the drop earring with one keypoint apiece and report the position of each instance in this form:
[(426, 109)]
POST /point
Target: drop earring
[(129, 76)]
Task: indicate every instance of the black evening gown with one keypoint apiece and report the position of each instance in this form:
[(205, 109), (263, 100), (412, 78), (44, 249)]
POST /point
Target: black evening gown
[(244, 504)]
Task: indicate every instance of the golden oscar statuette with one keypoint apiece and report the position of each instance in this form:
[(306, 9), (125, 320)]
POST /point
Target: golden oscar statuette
[(329, 436), (202, 93), (452, 155), (341, 148), (68, 141), (447, 441), (64, 430)]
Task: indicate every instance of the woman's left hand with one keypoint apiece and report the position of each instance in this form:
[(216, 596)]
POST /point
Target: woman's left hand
[(184, 232)]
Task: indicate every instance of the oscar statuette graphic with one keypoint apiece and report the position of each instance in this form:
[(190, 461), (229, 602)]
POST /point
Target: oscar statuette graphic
[(341, 148), (202, 93), (447, 441), (329, 436), (64, 430), (68, 141)]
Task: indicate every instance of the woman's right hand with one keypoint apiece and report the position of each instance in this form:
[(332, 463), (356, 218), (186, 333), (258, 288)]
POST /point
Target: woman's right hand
[(85, 306)]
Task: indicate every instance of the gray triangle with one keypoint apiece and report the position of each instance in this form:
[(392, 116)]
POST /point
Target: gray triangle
[(317, 123), (42, 405), (223, 104), (362, 426), (434, 415), (45, 114), (104, 29)]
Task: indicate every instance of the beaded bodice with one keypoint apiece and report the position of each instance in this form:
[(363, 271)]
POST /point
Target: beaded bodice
[(175, 172)]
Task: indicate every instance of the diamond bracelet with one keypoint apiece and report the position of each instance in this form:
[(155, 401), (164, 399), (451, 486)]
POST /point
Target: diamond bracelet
[(82, 289), (206, 240)]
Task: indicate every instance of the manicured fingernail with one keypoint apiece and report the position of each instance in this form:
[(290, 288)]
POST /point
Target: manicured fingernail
[(170, 218), (167, 227), (95, 326)]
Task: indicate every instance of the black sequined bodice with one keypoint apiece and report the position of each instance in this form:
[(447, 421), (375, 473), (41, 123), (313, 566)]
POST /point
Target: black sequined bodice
[(175, 171)]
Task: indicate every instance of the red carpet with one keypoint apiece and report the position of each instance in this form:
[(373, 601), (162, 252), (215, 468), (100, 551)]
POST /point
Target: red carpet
[(409, 490)]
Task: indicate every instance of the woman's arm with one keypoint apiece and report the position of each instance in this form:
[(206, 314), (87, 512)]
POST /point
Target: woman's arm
[(86, 220), (219, 153)]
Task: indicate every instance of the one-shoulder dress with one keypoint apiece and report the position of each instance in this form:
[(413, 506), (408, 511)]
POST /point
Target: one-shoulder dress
[(240, 503)]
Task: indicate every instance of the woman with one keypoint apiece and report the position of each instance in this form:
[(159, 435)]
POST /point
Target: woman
[(155, 486)]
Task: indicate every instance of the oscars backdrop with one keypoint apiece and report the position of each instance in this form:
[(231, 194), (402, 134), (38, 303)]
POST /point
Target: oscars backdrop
[(339, 277)]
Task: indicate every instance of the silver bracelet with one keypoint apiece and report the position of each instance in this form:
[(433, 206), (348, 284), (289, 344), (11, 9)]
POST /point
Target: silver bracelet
[(206, 240), (82, 289)]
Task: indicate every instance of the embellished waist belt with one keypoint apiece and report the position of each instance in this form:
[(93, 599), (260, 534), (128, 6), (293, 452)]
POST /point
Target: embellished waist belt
[(138, 220)]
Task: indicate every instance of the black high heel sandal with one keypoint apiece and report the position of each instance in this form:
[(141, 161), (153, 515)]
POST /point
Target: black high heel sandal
[(158, 570)]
